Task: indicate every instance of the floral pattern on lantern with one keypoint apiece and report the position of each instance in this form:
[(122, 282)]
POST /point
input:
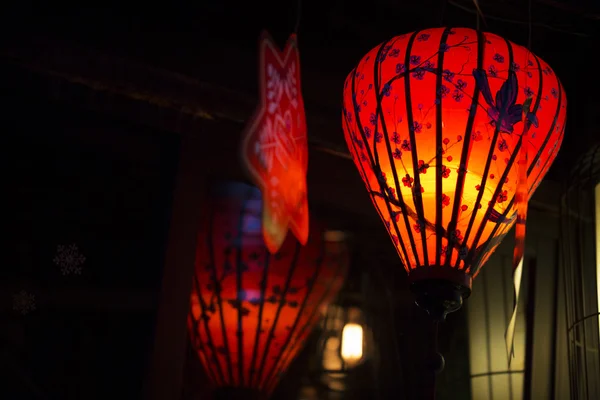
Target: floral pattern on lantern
[(251, 311), (434, 121)]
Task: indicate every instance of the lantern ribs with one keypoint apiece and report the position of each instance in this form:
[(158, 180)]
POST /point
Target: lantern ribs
[(251, 311), (494, 95)]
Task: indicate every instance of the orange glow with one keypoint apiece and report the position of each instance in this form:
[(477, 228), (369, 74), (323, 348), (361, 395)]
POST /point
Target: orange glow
[(434, 120), (252, 311), (275, 147), (352, 343)]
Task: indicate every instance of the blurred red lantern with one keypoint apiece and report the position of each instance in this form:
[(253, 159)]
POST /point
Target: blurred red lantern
[(251, 311), (438, 122)]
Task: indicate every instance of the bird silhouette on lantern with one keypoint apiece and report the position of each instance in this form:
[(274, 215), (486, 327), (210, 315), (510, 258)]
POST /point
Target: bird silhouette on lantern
[(438, 122), (251, 311)]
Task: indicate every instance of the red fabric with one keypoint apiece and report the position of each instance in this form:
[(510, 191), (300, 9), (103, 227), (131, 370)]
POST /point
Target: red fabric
[(275, 147), (436, 133)]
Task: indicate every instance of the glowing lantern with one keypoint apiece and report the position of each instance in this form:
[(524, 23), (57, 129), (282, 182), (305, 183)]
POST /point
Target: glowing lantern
[(442, 125), (252, 311), (352, 343), (346, 342), (344, 338)]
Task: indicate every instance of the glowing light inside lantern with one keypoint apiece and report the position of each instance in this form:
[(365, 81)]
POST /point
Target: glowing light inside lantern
[(434, 121), (352, 343)]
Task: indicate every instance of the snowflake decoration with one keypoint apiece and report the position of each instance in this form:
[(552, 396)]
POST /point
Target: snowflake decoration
[(69, 259), (23, 302)]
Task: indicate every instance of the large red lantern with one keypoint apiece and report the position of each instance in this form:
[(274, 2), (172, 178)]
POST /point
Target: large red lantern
[(252, 311), (443, 124)]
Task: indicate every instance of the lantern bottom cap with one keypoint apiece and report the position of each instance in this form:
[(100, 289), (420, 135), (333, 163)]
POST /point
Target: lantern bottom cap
[(434, 272), (439, 297), (238, 393)]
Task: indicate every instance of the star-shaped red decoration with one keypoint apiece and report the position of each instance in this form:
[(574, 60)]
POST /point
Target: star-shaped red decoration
[(274, 146)]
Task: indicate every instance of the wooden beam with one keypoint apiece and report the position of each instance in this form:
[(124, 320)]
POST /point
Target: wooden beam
[(186, 106), (127, 79), (165, 375)]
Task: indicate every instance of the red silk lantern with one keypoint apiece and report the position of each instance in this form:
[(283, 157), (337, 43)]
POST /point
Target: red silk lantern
[(251, 311), (438, 122)]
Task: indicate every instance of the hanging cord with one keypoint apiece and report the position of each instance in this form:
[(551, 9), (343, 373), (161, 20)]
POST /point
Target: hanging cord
[(436, 325), (392, 321), (443, 12), (529, 36), (512, 21), (434, 363), (368, 321), (298, 17), (480, 15), (530, 27)]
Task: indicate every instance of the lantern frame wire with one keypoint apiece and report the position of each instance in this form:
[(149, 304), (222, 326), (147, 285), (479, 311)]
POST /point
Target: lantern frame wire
[(344, 307), (578, 342), (330, 370), (583, 334)]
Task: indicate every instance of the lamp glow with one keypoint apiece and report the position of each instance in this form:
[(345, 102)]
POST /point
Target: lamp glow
[(352, 343), (434, 122)]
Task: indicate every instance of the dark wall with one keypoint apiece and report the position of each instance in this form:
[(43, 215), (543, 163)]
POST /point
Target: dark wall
[(74, 177)]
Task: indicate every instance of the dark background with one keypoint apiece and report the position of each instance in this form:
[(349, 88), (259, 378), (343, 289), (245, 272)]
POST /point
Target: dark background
[(104, 179)]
